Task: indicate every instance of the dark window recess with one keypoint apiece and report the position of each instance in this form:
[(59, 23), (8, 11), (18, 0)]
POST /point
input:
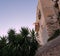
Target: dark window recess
[(39, 15), (59, 17), (56, 3)]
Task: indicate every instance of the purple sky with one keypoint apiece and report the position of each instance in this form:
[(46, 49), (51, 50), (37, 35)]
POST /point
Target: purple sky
[(16, 14)]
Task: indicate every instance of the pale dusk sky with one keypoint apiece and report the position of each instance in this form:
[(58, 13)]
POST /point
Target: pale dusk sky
[(16, 14)]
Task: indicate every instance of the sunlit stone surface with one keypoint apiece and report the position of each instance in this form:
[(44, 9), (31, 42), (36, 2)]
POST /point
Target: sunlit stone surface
[(47, 17)]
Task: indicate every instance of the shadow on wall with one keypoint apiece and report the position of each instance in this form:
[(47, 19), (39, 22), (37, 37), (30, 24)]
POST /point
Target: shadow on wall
[(55, 35)]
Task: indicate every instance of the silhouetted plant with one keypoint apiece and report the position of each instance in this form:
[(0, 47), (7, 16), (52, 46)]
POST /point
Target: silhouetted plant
[(19, 44)]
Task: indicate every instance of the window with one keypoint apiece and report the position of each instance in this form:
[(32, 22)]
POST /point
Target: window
[(56, 3), (39, 15)]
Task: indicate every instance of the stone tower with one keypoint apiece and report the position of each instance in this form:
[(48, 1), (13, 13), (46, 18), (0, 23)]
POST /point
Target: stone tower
[(46, 20)]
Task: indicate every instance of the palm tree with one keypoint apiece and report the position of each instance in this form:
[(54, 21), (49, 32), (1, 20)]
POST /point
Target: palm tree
[(19, 44), (25, 47), (3, 43), (11, 36), (34, 44)]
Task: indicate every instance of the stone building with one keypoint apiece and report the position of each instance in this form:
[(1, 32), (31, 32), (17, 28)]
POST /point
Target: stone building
[(46, 19)]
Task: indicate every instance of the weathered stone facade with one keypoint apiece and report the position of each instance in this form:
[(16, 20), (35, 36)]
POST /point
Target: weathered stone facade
[(50, 49), (47, 17)]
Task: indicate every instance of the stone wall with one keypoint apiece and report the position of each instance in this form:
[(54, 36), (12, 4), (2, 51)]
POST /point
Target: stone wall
[(47, 17), (50, 49)]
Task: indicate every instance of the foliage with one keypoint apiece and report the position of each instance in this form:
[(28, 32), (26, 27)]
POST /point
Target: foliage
[(19, 44)]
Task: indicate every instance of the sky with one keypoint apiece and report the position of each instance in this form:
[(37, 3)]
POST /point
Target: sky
[(16, 14)]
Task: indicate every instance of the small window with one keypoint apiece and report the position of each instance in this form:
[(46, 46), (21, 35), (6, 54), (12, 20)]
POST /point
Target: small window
[(56, 3), (39, 15)]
